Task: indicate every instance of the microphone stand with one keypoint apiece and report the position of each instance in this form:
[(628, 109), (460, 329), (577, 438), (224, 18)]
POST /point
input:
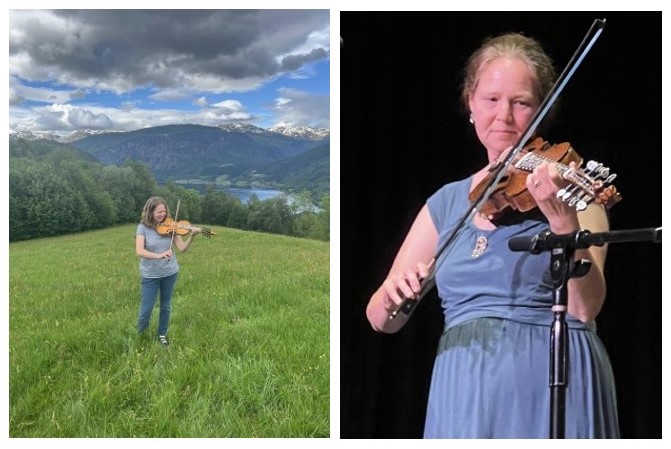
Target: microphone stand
[(562, 268)]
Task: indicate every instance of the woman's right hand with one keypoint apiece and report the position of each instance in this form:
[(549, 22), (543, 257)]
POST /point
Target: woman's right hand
[(400, 286), (403, 280), (165, 255)]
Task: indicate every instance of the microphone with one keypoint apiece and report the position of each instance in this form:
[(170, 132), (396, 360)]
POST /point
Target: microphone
[(546, 241), (519, 244)]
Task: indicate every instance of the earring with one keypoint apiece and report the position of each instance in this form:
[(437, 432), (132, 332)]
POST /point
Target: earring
[(470, 119)]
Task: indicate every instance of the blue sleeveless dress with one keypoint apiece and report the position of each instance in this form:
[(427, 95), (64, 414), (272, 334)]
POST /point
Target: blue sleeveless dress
[(491, 373)]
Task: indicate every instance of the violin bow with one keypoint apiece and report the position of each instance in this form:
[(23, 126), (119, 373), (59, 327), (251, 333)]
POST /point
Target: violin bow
[(174, 231), (407, 306)]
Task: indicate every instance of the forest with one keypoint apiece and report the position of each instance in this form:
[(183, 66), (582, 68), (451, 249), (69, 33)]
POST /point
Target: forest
[(55, 189)]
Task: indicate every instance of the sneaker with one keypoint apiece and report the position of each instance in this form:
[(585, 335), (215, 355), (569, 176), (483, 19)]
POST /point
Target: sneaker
[(163, 340)]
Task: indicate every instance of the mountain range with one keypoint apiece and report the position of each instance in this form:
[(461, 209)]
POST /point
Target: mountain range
[(238, 155), (302, 132)]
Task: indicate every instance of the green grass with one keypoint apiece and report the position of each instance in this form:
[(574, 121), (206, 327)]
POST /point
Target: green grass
[(249, 330)]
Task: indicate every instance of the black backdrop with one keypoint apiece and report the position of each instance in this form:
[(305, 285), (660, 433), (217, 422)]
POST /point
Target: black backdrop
[(403, 135)]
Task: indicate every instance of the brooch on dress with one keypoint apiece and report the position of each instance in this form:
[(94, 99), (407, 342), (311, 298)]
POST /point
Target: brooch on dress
[(480, 246)]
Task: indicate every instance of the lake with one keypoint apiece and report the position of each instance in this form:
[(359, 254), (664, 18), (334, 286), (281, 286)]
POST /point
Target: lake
[(240, 193), (244, 194)]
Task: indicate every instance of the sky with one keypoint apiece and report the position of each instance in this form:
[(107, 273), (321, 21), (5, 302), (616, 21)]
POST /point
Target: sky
[(124, 70)]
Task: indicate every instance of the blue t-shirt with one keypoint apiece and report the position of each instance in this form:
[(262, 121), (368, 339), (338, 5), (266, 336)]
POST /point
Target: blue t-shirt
[(156, 243)]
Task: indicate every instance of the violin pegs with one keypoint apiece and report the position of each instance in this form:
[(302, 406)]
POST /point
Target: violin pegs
[(577, 203), (584, 200), (611, 178), (604, 172), (591, 165)]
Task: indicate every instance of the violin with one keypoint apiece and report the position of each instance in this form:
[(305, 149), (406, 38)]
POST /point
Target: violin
[(591, 184), (182, 227)]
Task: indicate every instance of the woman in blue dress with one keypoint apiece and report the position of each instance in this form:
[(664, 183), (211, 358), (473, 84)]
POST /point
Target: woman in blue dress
[(490, 376)]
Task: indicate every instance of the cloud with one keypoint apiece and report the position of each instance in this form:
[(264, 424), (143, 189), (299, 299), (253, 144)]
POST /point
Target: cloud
[(63, 118), (98, 49), (295, 107), (82, 118), (229, 105), (202, 102), (20, 93), (168, 95), (228, 110), (128, 105), (294, 62), (113, 69), (57, 117)]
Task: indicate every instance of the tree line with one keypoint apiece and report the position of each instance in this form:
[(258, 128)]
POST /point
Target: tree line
[(55, 189)]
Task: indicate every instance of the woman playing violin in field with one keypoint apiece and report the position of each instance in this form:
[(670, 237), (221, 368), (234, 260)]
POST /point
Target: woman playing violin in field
[(158, 264)]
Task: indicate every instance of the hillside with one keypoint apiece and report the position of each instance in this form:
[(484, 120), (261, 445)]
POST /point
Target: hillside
[(307, 171), (249, 353), (45, 149), (195, 151)]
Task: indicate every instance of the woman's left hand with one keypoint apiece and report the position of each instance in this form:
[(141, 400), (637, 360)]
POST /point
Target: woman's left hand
[(543, 184)]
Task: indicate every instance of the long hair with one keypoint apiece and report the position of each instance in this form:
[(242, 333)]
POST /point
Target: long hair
[(149, 208)]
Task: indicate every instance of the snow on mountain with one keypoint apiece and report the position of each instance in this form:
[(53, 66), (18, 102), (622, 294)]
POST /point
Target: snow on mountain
[(81, 133), (299, 132), (32, 135), (302, 132), (60, 138), (242, 128)]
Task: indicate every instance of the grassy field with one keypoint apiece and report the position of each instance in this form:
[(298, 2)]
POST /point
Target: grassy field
[(249, 330)]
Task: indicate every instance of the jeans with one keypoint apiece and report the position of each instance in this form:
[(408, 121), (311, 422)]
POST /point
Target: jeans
[(150, 287)]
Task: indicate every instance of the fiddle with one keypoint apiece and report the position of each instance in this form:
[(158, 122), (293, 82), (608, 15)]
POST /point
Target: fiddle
[(587, 185), (182, 227)]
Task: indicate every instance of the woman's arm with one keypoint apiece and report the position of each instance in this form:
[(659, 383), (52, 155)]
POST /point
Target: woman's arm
[(142, 252), (586, 294), (404, 278), (183, 245)]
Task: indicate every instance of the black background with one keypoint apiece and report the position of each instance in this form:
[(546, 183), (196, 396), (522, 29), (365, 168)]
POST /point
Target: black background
[(404, 134)]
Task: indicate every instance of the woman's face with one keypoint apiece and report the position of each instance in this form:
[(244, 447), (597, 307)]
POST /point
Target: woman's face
[(159, 213), (502, 104)]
